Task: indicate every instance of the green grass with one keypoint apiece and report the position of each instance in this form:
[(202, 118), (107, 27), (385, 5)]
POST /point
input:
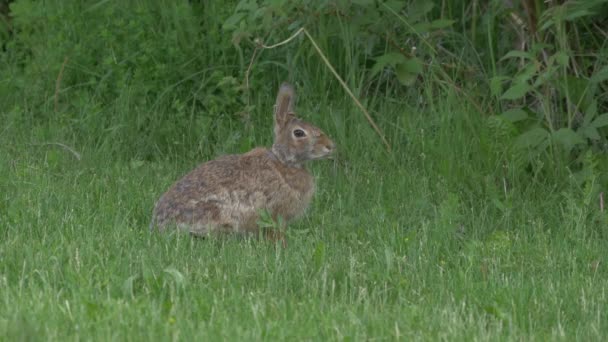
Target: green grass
[(390, 248), (449, 236)]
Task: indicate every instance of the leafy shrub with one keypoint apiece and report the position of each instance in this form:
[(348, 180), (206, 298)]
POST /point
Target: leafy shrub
[(81, 64), (555, 81), (394, 45)]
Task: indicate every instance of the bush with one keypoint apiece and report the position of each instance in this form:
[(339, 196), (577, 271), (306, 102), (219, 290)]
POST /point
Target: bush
[(80, 66)]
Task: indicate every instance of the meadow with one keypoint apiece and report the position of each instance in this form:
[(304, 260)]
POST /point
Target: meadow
[(468, 226)]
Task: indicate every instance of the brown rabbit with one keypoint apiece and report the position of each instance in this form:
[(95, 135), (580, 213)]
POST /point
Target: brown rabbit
[(226, 195)]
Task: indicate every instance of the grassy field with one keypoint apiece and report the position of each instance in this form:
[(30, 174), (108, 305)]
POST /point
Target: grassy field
[(445, 237)]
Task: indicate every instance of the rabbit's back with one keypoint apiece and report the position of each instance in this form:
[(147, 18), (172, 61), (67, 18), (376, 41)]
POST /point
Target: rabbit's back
[(227, 194)]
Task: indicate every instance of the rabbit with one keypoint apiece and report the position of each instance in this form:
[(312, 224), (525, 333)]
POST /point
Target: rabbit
[(227, 194)]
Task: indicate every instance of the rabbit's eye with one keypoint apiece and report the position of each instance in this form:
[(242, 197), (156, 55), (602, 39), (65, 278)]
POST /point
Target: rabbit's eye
[(298, 133)]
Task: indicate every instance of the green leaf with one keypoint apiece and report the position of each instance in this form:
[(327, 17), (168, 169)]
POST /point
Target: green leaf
[(496, 84), (567, 138), (419, 8), (246, 6), (516, 91), (404, 77), (441, 23), (408, 71), (562, 58), (590, 113), (413, 65), (534, 138), (600, 75), (590, 132), (577, 88), (547, 23), (600, 121), (518, 54), (279, 3), (232, 22), (395, 5), (577, 14), (389, 59), (363, 2), (421, 27), (501, 128), (546, 76), (525, 74), (514, 115)]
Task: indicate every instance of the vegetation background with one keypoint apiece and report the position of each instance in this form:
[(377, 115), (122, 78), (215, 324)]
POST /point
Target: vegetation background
[(482, 217)]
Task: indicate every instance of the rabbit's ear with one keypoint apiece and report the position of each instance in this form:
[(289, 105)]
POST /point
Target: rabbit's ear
[(283, 109)]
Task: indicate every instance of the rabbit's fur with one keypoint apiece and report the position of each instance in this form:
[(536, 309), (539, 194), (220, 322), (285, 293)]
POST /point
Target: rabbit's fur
[(228, 193)]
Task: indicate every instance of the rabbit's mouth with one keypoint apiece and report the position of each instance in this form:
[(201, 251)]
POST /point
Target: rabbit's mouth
[(326, 151), (325, 155)]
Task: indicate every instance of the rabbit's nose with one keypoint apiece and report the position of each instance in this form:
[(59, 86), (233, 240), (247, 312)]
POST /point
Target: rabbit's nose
[(330, 146)]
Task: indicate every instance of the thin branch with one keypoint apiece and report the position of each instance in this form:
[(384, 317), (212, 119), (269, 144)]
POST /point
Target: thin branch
[(367, 116), (255, 53), (293, 36)]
